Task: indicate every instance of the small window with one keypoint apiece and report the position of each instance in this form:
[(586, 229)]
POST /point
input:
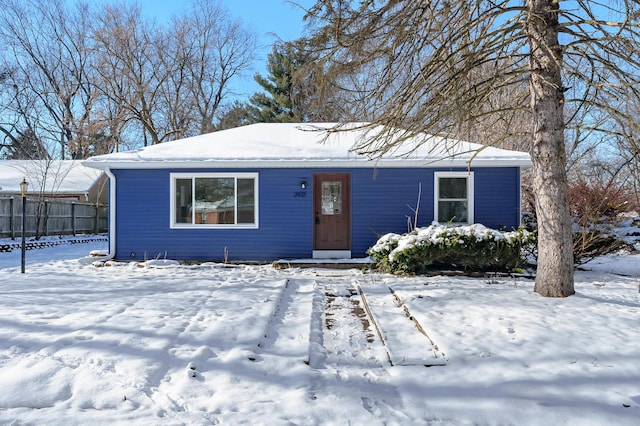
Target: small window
[(214, 200), (453, 201), (331, 198)]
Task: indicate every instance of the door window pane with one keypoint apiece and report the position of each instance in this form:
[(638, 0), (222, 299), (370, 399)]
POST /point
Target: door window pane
[(331, 198)]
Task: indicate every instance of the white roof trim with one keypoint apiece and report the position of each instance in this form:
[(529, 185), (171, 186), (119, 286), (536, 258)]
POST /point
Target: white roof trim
[(298, 164)]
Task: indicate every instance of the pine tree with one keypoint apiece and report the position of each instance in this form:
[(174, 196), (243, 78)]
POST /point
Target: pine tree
[(277, 104), (26, 146), (292, 93)]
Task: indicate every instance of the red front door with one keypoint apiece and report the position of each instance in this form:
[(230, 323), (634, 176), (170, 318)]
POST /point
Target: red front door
[(332, 211)]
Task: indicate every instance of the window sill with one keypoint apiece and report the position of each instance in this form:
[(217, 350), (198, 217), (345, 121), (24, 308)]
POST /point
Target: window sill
[(204, 226)]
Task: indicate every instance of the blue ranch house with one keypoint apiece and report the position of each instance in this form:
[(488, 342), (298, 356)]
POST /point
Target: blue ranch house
[(273, 191)]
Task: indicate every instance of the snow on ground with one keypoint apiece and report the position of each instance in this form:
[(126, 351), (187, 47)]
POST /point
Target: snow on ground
[(210, 344)]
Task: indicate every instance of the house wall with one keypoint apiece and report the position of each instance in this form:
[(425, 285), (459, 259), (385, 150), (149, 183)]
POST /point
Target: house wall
[(381, 201)]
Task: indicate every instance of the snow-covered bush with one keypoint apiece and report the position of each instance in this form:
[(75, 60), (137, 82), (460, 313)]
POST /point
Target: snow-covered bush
[(473, 247), (605, 236)]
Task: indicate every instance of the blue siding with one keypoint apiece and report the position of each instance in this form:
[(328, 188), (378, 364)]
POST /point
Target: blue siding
[(381, 202), (497, 197)]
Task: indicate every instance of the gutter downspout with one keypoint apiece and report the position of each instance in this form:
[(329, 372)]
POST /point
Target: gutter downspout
[(112, 213)]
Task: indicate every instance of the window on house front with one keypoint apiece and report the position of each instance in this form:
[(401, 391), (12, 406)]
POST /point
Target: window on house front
[(453, 201), (214, 200)]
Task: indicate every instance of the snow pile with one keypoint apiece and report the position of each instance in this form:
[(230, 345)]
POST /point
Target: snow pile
[(628, 231)]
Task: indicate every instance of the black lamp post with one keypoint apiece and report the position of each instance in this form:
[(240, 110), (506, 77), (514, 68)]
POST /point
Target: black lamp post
[(23, 189)]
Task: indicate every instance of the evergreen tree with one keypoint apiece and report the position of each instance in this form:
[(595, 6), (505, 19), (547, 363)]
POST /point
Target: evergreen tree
[(291, 90), (26, 146), (276, 104), (235, 115)]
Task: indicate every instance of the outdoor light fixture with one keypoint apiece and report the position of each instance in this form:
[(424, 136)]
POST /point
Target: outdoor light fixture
[(23, 189), (303, 184), (24, 186)]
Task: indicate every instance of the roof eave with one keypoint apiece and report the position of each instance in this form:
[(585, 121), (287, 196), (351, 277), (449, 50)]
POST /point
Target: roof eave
[(312, 163)]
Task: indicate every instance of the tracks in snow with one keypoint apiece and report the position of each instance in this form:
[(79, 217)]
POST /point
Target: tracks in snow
[(289, 330), (340, 319), (350, 334), (405, 339)]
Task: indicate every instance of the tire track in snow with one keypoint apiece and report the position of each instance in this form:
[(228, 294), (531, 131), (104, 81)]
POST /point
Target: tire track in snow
[(395, 323), (317, 352), (295, 329), (276, 319), (290, 327), (352, 366), (349, 336), (340, 339)]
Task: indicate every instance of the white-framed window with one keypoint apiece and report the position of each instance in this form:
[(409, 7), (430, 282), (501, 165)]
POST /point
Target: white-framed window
[(453, 197), (214, 200)]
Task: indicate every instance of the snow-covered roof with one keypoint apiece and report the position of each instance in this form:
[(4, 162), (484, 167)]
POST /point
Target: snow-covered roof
[(47, 176), (307, 145)]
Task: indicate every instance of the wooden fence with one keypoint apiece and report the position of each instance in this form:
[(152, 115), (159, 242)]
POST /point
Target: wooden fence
[(51, 217)]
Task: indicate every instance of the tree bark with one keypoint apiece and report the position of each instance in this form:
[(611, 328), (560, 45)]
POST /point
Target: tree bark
[(554, 277)]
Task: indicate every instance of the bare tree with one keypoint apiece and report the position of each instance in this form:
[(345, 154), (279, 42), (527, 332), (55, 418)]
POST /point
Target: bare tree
[(51, 68), (220, 48), (129, 48), (45, 178), (24, 145), (87, 81), (170, 82), (19, 139), (499, 118), (626, 139), (433, 66)]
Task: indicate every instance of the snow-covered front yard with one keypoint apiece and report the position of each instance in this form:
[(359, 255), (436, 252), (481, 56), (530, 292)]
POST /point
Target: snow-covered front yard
[(209, 344)]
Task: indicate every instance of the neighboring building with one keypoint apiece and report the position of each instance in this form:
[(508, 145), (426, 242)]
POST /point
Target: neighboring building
[(283, 190), (61, 179)]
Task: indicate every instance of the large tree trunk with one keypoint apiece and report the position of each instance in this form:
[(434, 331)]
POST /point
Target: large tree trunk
[(555, 245)]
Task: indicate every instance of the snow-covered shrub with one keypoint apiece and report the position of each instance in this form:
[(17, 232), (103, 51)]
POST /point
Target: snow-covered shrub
[(628, 230), (593, 240), (605, 236), (473, 247)]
